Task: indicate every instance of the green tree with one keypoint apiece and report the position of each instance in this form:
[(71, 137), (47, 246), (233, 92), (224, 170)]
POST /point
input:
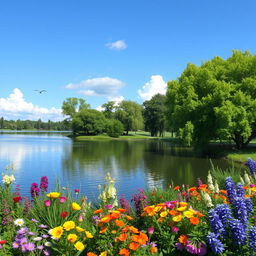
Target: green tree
[(88, 122), (2, 123), (109, 108), (129, 113), (218, 98), (114, 128), (73, 105), (154, 114)]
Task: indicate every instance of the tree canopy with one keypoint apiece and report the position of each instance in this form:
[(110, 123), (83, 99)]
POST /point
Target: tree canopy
[(216, 100), (154, 115)]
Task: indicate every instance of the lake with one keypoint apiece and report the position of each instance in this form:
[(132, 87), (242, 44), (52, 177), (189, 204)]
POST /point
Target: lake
[(84, 165)]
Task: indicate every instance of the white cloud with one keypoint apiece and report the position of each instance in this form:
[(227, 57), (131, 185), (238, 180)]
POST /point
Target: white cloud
[(154, 86), (116, 99), (16, 107), (101, 86), (117, 45)]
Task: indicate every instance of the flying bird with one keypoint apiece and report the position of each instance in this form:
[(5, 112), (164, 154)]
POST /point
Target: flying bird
[(40, 91)]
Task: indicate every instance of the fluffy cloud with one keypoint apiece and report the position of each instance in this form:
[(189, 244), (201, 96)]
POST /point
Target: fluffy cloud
[(16, 107), (117, 100), (117, 45), (101, 86), (154, 86)]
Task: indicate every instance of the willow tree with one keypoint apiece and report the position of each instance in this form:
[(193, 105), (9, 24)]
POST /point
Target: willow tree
[(217, 100)]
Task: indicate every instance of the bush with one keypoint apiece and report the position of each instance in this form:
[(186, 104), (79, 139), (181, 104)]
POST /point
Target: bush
[(114, 128)]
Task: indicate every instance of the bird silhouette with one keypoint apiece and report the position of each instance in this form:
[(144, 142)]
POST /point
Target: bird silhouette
[(40, 91)]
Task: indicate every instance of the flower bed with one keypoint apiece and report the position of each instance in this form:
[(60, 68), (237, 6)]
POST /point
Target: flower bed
[(202, 220)]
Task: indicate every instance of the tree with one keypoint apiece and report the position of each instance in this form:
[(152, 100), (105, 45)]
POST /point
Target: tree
[(2, 123), (114, 128), (88, 122), (154, 114), (109, 108), (129, 113), (218, 98), (73, 105)]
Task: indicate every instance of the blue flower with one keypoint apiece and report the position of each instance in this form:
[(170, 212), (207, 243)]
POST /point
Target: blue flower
[(240, 210), (237, 231), (224, 213), (215, 244), (230, 187), (239, 190), (252, 166), (252, 238), (249, 207), (215, 222)]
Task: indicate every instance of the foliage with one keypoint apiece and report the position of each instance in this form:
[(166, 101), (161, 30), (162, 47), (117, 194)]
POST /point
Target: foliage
[(154, 115), (218, 98), (89, 122), (71, 106), (114, 128), (130, 114), (109, 108)]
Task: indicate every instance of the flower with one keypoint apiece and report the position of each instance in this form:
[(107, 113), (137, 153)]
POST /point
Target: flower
[(62, 199), (183, 239), (64, 214), (68, 225), (151, 230), (124, 252), (2, 241), (215, 244), (77, 190), (16, 199), (177, 218), (79, 229), (34, 190), (8, 179), (108, 206), (19, 222), (44, 184), (47, 203), (72, 238), (53, 194), (194, 220), (76, 207), (175, 229), (88, 234), (134, 246), (79, 246), (91, 254), (30, 246), (57, 232)]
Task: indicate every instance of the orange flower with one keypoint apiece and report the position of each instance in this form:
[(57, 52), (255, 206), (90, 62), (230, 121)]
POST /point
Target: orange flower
[(223, 191), (124, 252), (173, 212), (105, 219), (183, 239), (133, 246), (115, 215), (122, 237), (203, 187), (134, 230), (128, 217), (149, 209), (119, 223), (245, 187), (121, 210), (199, 214), (176, 188), (183, 204), (153, 249), (141, 238), (91, 254), (98, 211), (194, 220), (126, 228), (103, 230), (192, 189)]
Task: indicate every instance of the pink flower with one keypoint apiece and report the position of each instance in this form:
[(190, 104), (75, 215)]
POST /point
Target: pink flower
[(47, 203), (151, 230), (77, 190), (80, 218), (175, 229), (62, 199), (109, 206)]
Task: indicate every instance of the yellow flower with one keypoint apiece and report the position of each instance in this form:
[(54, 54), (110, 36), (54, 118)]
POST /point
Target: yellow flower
[(181, 209), (192, 210), (79, 229), (164, 214), (177, 218), (103, 253), (253, 189), (188, 214), (53, 195), (68, 225), (76, 207), (72, 238), (79, 246), (88, 234), (57, 232), (157, 208)]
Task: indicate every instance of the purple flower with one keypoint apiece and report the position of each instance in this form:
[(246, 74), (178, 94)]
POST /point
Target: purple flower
[(44, 184), (34, 190), (230, 187), (215, 222), (22, 231), (46, 252), (224, 213), (31, 233), (252, 238), (40, 247), (252, 166), (125, 204), (45, 236), (239, 190), (249, 207), (199, 182), (30, 247), (140, 201), (179, 246), (34, 220), (215, 244), (240, 210), (237, 231), (108, 206), (42, 226), (15, 245)]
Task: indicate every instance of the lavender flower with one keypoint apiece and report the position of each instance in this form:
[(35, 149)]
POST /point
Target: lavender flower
[(215, 244), (252, 238), (125, 204)]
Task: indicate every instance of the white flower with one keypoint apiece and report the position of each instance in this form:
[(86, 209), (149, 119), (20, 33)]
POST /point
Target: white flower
[(209, 178), (242, 180), (48, 244), (217, 190), (247, 179), (8, 179), (39, 238), (207, 199), (19, 222), (50, 232)]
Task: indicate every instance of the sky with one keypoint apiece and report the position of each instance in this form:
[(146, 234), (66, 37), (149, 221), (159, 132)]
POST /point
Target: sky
[(102, 50)]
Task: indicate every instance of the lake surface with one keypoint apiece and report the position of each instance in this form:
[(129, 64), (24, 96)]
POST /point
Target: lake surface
[(84, 165)]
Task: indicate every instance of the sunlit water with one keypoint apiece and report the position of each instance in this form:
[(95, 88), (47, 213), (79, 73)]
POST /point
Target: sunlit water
[(84, 165)]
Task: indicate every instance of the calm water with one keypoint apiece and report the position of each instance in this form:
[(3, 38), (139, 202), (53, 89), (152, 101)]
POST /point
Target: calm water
[(83, 165)]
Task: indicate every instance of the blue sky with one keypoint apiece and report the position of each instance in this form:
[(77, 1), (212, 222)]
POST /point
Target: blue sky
[(104, 50)]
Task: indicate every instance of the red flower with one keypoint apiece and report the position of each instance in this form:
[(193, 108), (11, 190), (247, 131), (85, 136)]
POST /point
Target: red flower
[(16, 199), (77, 190), (2, 241), (64, 215)]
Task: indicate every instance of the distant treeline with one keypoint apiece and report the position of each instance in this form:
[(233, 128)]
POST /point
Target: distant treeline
[(31, 125)]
